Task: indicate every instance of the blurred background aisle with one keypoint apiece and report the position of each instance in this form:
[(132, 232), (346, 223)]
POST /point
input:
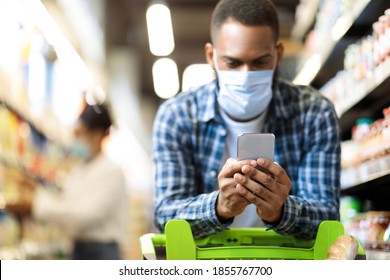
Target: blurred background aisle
[(133, 55)]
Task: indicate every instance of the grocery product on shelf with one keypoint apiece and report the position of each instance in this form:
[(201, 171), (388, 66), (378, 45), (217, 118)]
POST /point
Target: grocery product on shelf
[(9, 230), (27, 157), (328, 14), (370, 141), (369, 227), (366, 65), (377, 223), (349, 208), (367, 155), (377, 246), (387, 31), (375, 142)]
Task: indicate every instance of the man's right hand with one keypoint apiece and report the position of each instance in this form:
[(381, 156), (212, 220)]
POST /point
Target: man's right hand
[(230, 203)]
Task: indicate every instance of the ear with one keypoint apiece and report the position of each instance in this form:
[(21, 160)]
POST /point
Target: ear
[(280, 51), (209, 52)]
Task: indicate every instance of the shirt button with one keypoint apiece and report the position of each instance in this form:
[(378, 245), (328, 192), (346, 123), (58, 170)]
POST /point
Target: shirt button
[(223, 132), (213, 173)]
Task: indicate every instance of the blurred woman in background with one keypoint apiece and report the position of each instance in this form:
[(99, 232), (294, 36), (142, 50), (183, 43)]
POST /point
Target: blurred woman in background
[(92, 205)]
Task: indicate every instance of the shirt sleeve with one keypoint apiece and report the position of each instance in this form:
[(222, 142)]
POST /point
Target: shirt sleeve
[(176, 193), (318, 187), (77, 211)]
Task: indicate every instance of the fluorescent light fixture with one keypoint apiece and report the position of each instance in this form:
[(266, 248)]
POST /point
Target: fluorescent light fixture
[(197, 75), (309, 70), (160, 31), (165, 78)]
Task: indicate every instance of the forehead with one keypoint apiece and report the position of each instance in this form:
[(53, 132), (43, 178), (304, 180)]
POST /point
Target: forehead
[(234, 37)]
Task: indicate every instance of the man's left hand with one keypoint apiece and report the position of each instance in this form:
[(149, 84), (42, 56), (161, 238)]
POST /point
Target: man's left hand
[(267, 191)]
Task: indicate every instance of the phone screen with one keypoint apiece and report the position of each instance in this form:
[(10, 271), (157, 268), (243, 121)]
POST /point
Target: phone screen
[(255, 145)]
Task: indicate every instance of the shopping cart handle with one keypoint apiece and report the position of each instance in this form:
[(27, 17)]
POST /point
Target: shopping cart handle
[(247, 243)]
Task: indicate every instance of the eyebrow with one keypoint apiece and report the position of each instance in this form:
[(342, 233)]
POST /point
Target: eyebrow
[(236, 59)]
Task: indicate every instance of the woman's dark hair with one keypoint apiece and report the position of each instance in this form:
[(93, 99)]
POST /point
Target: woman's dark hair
[(246, 12), (96, 117)]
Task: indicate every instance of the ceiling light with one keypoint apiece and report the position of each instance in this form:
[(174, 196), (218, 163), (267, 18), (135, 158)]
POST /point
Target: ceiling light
[(160, 31), (165, 78)]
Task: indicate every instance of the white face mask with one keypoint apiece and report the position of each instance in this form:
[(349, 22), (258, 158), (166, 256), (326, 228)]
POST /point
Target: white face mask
[(244, 94)]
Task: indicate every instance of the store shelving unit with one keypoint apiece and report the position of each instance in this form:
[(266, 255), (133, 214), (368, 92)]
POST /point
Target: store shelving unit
[(370, 180), (49, 127), (319, 67), (305, 22), (365, 174), (35, 251), (368, 100), (10, 161)]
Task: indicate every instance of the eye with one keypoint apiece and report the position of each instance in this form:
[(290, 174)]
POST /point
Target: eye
[(260, 63), (232, 64)]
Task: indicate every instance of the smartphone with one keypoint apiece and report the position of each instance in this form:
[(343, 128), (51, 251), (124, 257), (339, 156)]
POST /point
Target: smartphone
[(255, 145)]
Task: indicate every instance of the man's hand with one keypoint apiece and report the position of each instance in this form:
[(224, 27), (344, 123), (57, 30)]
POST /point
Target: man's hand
[(267, 191), (230, 203)]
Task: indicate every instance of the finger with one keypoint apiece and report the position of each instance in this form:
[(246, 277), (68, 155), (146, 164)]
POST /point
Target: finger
[(260, 203), (261, 177), (275, 169), (254, 187), (226, 184), (227, 188), (233, 166)]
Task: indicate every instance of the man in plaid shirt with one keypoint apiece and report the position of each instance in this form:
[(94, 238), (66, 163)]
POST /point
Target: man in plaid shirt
[(197, 177)]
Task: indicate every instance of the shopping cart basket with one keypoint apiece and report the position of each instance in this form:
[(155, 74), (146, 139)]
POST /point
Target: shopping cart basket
[(178, 243)]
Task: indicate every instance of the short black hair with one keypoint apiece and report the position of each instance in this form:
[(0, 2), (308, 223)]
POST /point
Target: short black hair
[(246, 12), (96, 117)]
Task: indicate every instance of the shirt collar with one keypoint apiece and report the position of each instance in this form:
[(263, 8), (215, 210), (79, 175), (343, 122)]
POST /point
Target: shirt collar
[(279, 106), (281, 102), (208, 103)]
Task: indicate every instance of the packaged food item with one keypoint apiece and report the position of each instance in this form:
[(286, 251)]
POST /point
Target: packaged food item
[(386, 130), (361, 59), (356, 226), (387, 31), (382, 37), (378, 244), (349, 208), (386, 236), (377, 223)]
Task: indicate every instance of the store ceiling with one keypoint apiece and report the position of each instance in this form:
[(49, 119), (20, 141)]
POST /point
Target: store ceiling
[(126, 26)]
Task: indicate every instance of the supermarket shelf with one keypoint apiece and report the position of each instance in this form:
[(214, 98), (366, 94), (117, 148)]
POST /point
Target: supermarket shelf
[(365, 88), (368, 100), (49, 128), (370, 180), (8, 160), (29, 250), (305, 21), (317, 66)]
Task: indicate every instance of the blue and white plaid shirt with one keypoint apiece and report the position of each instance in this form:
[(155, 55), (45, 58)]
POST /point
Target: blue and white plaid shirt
[(189, 142)]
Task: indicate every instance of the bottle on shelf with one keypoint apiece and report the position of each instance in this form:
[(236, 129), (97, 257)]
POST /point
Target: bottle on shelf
[(366, 65)]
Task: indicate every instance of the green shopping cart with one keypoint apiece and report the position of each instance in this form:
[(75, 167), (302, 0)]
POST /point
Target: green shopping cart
[(178, 243)]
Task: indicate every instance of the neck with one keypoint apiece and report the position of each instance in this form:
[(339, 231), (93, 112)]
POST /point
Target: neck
[(95, 154), (244, 120)]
